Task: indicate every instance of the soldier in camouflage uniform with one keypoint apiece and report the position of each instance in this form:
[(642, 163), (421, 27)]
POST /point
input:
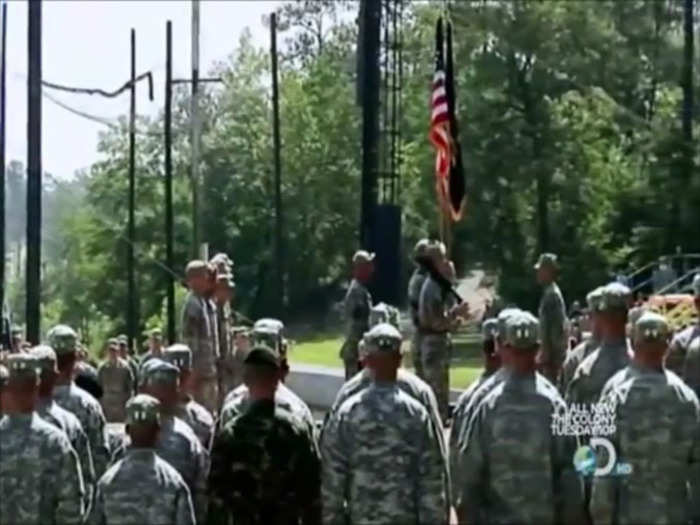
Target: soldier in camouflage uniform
[(465, 410), (267, 332), (265, 463), (415, 284), (492, 363), (117, 381), (40, 479), (614, 352), (74, 399), (406, 381), (177, 443), (155, 347), (513, 470), (583, 349), (437, 320), (123, 343), (230, 367), (657, 433), (552, 316), (142, 488), (691, 367), (49, 411), (358, 303), (200, 332), (381, 460), (682, 341), (191, 412)]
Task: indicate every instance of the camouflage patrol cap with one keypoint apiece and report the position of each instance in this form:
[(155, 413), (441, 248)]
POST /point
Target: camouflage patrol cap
[(16, 330), (522, 331), (122, 339), (593, 298), (23, 366), (269, 322), (382, 338), (142, 408), (262, 355), (4, 375), (383, 313), (420, 248), (501, 320), (489, 328), (222, 262), (196, 267), (155, 332), (547, 260), (179, 355), (696, 284), (45, 356), (362, 257), (614, 298), (63, 339), (651, 327), (435, 251), (158, 371)]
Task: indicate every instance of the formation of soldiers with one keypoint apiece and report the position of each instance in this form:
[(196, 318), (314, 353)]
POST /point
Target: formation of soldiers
[(213, 434)]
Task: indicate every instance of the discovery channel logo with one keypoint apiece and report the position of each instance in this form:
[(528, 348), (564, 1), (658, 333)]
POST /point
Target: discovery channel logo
[(587, 456)]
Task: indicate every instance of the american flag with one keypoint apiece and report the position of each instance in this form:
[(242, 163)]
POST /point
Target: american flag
[(449, 172), (440, 122)]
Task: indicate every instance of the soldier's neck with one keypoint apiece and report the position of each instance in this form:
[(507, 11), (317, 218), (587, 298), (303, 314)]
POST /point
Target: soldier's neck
[(648, 361), (615, 337), (64, 378)]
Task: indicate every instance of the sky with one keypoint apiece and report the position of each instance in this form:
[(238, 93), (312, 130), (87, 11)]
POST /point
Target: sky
[(86, 43)]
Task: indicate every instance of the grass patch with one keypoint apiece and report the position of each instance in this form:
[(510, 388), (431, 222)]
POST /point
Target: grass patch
[(465, 365)]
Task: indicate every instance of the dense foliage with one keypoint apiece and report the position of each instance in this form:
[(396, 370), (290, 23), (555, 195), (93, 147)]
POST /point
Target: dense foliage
[(570, 116)]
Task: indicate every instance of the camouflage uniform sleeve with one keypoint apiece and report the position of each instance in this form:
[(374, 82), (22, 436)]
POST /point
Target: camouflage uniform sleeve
[(192, 317), (219, 477), (97, 436), (694, 472), (87, 468), (308, 471), (97, 513), (70, 491), (201, 498), (431, 308), (552, 320), (431, 483), (568, 490), (691, 367), (100, 374), (129, 381), (676, 354), (605, 490), (184, 511), (438, 432), (334, 473), (472, 470)]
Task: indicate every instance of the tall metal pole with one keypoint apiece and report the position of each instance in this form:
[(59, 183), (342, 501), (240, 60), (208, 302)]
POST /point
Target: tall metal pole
[(194, 130), (279, 255), (33, 264), (131, 237), (169, 179), (3, 78), (686, 219), (370, 40)]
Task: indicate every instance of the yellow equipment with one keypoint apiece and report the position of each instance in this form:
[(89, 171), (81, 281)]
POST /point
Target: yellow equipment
[(679, 309)]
